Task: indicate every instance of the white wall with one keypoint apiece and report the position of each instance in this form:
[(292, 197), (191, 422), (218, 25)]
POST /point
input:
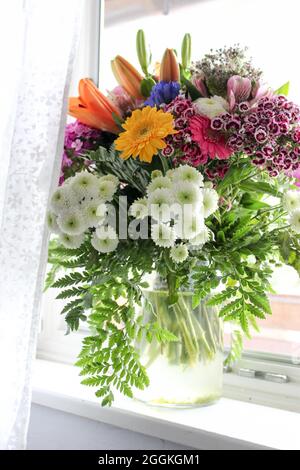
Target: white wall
[(54, 430)]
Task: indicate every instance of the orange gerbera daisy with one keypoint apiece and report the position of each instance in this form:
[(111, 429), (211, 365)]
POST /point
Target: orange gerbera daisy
[(144, 132)]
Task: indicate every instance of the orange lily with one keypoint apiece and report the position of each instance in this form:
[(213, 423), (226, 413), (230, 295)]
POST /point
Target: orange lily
[(169, 68), (93, 108), (127, 76)]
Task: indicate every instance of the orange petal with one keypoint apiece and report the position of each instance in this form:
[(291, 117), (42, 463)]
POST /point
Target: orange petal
[(92, 106)]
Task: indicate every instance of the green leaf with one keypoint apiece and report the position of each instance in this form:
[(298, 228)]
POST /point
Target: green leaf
[(253, 204), (235, 176), (259, 187), (283, 90), (230, 308), (222, 297), (261, 301)]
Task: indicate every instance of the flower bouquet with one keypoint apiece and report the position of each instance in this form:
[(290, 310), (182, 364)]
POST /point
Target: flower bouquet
[(177, 199)]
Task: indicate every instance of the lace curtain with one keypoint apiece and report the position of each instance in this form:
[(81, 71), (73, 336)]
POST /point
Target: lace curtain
[(43, 37)]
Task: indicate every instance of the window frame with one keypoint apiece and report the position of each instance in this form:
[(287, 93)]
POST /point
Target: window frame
[(54, 346)]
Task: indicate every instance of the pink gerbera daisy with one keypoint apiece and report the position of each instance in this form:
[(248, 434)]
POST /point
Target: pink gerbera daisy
[(211, 144)]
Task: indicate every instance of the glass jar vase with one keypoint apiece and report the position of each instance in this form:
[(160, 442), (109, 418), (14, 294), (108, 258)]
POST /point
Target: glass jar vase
[(187, 372)]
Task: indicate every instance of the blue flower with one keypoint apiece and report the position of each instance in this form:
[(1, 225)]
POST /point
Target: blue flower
[(163, 93)]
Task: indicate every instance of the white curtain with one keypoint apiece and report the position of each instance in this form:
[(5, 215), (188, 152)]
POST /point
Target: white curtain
[(38, 41)]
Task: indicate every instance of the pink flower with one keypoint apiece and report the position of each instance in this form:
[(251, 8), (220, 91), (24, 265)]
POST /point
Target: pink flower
[(122, 100), (210, 143), (296, 175), (259, 91), (238, 90), (198, 82)]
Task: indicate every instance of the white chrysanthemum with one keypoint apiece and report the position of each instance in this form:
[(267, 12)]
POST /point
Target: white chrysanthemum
[(186, 193), (159, 204), (160, 182), (208, 184), (189, 174), (202, 237), (105, 239), (72, 222), (291, 200), (210, 201), (170, 174), (163, 235), (111, 178), (84, 185), (90, 214), (106, 189), (189, 226), (179, 253), (295, 220), (211, 107), (61, 199), (71, 241), (102, 210), (156, 174), (52, 222), (139, 209)]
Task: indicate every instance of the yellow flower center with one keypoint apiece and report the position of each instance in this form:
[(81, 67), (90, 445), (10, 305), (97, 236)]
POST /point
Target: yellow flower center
[(144, 131)]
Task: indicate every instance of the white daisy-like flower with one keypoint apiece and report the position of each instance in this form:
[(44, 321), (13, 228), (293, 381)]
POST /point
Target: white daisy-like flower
[(90, 214), (52, 222), (189, 225), (102, 213), (186, 193), (291, 200), (160, 182), (189, 174), (111, 178), (170, 174), (139, 209), (156, 174), (84, 185), (106, 189), (72, 222), (295, 220), (105, 239), (179, 253), (208, 184), (163, 235), (211, 107), (210, 201), (202, 237), (71, 241), (61, 199), (159, 204)]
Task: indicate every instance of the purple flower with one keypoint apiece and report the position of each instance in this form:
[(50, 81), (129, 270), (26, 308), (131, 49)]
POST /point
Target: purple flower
[(78, 138), (163, 93), (168, 151), (217, 124), (260, 135)]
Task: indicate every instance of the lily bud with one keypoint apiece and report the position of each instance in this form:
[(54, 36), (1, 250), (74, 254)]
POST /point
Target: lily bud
[(169, 68), (127, 76), (186, 51), (142, 51)]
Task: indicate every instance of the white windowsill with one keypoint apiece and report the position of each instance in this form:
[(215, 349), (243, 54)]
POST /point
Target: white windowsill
[(229, 424)]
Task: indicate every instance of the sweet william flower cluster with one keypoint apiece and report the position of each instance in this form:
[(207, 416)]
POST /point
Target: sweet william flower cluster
[(189, 169)]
